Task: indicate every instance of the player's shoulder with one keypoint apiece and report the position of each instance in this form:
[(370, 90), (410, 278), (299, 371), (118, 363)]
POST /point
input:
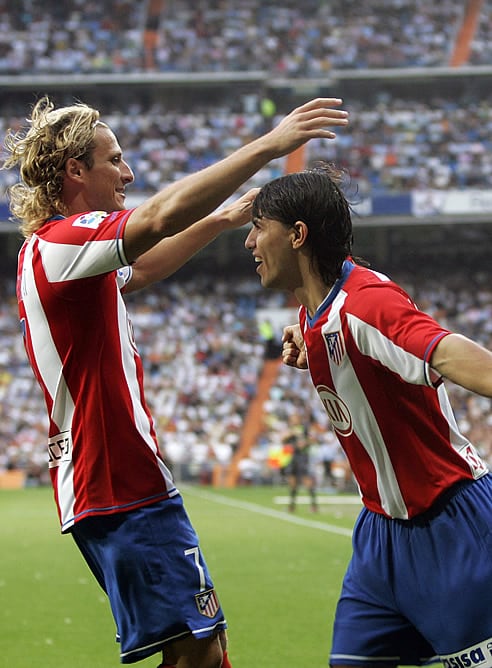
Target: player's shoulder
[(367, 279), (60, 225), (82, 227), (86, 219), (373, 289)]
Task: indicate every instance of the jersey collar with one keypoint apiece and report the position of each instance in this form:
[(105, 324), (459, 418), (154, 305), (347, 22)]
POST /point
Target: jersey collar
[(347, 267)]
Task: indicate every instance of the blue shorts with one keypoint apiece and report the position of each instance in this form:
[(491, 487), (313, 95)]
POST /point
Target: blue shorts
[(149, 564), (419, 591)]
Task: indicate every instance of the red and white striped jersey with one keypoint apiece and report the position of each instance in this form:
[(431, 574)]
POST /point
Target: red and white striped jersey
[(102, 447), (368, 350)]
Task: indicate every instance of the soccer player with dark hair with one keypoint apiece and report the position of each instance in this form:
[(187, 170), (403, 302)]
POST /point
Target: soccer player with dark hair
[(418, 588)]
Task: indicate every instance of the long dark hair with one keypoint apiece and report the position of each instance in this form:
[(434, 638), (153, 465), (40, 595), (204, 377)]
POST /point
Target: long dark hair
[(315, 197)]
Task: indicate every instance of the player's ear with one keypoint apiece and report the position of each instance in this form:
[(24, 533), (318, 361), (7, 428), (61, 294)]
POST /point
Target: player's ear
[(73, 168), (299, 234)]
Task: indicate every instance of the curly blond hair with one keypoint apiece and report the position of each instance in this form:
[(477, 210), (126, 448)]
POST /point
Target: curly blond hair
[(41, 152)]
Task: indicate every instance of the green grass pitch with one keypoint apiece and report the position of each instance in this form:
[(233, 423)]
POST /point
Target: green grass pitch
[(277, 575)]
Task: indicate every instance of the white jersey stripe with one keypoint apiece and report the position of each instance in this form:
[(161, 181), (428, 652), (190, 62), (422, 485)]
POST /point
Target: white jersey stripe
[(456, 438), (71, 262), (129, 369), (376, 345), (64, 485), (45, 353), (51, 373), (366, 428)]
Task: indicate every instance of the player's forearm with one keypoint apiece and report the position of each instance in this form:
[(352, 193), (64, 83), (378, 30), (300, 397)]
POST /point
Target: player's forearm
[(171, 253)]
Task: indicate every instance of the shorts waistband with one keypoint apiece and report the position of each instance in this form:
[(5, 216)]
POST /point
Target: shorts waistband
[(441, 502)]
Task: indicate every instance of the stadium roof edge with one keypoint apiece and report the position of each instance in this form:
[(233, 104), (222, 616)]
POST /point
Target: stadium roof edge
[(129, 78), (60, 80)]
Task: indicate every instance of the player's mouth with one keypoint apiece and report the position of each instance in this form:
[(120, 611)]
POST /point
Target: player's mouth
[(259, 263)]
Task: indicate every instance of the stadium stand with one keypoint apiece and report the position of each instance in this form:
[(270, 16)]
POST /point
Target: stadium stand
[(281, 37)]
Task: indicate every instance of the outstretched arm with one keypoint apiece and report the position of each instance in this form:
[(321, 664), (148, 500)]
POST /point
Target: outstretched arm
[(465, 363), (172, 253), (195, 196)]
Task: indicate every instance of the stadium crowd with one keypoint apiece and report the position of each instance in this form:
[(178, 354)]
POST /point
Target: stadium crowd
[(394, 146), (203, 356), (284, 38)]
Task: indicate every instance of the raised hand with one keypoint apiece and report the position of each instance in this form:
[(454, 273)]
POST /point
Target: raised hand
[(309, 121), (238, 213)]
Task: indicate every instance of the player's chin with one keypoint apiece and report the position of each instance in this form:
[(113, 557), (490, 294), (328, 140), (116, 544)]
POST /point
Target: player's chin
[(271, 282), (261, 276), (119, 202), (266, 283), (264, 280)]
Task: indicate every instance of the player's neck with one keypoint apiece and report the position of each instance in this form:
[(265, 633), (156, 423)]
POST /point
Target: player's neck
[(312, 293)]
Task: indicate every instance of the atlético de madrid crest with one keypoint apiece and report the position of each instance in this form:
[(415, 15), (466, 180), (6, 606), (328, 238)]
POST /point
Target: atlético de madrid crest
[(207, 603), (335, 345)]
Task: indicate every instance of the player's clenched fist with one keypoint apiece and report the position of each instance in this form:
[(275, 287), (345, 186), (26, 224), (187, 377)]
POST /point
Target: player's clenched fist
[(293, 349)]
